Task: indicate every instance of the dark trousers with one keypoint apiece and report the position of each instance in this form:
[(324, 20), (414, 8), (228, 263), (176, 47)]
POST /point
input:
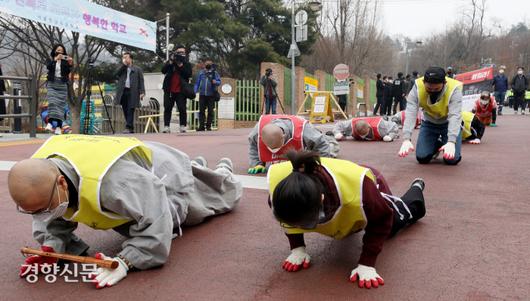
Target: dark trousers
[(2, 106), (169, 102), (518, 101), (414, 200), (387, 106), (270, 104), (206, 102), (401, 101), (58, 122), (128, 109), (379, 105), (499, 98), (343, 101)]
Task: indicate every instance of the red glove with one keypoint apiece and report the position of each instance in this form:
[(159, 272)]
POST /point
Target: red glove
[(37, 259)]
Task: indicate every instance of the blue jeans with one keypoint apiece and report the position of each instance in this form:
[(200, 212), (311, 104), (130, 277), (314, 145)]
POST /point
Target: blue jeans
[(270, 104), (499, 98), (431, 138)]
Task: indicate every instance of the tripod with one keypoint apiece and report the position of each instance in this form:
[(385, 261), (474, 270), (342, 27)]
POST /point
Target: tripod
[(89, 94), (277, 99)]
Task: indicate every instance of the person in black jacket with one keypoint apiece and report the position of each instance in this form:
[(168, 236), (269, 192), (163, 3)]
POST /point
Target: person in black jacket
[(177, 73), (387, 95), (59, 67), (379, 95), (519, 86), (2, 90), (399, 90)]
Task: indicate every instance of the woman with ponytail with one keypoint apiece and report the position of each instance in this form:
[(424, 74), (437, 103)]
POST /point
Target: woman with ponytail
[(337, 198)]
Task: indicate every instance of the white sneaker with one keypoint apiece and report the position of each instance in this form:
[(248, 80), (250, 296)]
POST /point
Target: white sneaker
[(49, 128), (58, 131), (183, 129), (166, 130)]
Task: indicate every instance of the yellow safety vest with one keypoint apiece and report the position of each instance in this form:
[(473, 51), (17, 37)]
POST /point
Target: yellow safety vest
[(439, 109), (92, 157), (348, 178), (467, 118)]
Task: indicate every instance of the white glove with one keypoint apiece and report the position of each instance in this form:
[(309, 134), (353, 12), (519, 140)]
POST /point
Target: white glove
[(475, 141), (339, 136), (406, 148), (297, 260), (367, 277), (387, 138), (449, 150), (107, 277)]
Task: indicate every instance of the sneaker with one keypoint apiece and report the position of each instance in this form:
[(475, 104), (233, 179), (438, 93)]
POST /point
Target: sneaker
[(49, 127), (200, 129), (225, 163), (183, 129), (522, 112), (166, 130), (127, 131), (200, 160), (58, 131), (419, 183)]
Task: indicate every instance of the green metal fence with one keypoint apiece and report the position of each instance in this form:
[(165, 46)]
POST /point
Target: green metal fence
[(330, 81), (193, 114), (248, 100)]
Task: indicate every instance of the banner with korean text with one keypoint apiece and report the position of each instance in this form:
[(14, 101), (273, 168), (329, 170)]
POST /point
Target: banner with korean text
[(87, 18)]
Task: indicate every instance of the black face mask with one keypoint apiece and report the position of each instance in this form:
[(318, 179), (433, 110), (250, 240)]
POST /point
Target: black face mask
[(208, 67)]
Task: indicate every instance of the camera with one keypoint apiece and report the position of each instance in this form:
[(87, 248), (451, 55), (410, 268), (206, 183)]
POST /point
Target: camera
[(65, 57)]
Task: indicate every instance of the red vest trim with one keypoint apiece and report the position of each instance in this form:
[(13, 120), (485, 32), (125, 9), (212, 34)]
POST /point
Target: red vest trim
[(295, 143), (485, 114), (374, 124)]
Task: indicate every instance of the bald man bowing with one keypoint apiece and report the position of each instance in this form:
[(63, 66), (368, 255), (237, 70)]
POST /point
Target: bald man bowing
[(144, 191), (274, 135)]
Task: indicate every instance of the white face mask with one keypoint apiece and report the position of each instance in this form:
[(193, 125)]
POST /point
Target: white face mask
[(60, 210), (484, 102), (520, 72), (501, 71)]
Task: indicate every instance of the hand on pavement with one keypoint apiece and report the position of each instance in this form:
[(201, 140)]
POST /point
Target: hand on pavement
[(339, 136), (108, 277), (37, 260), (449, 150), (367, 277), (257, 169), (297, 260), (406, 148), (387, 138), (475, 141)]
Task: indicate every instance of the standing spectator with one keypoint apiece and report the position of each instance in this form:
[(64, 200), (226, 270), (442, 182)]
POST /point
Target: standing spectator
[(206, 85), (177, 70), (59, 67), (450, 73), (414, 77), (2, 90), (269, 84), (500, 86), (130, 89), (387, 96), (398, 93), (379, 95), (519, 86)]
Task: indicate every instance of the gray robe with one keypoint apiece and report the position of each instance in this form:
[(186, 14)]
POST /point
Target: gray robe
[(314, 140), (136, 79), (157, 201)]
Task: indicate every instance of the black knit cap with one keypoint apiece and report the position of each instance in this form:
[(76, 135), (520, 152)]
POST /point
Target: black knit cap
[(434, 75)]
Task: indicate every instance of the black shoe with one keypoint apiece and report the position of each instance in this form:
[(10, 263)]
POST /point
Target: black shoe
[(208, 129), (417, 207), (200, 129), (127, 131), (418, 181)]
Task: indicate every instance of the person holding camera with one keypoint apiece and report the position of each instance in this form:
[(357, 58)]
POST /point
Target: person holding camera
[(206, 85), (59, 67), (270, 91), (130, 89), (177, 74)]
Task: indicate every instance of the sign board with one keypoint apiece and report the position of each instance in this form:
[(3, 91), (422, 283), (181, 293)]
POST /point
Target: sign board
[(87, 18), (341, 72), (226, 108), (293, 50), (321, 108), (226, 89), (301, 33), (474, 83), (310, 83), (301, 17), (341, 88)]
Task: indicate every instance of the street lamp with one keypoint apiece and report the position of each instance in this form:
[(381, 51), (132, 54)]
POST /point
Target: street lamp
[(315, 7), (410, 45), (167, 33)]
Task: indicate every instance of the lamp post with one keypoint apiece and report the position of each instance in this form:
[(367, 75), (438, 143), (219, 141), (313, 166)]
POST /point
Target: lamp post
[(315, 6), (407, 54), (167, 34)]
